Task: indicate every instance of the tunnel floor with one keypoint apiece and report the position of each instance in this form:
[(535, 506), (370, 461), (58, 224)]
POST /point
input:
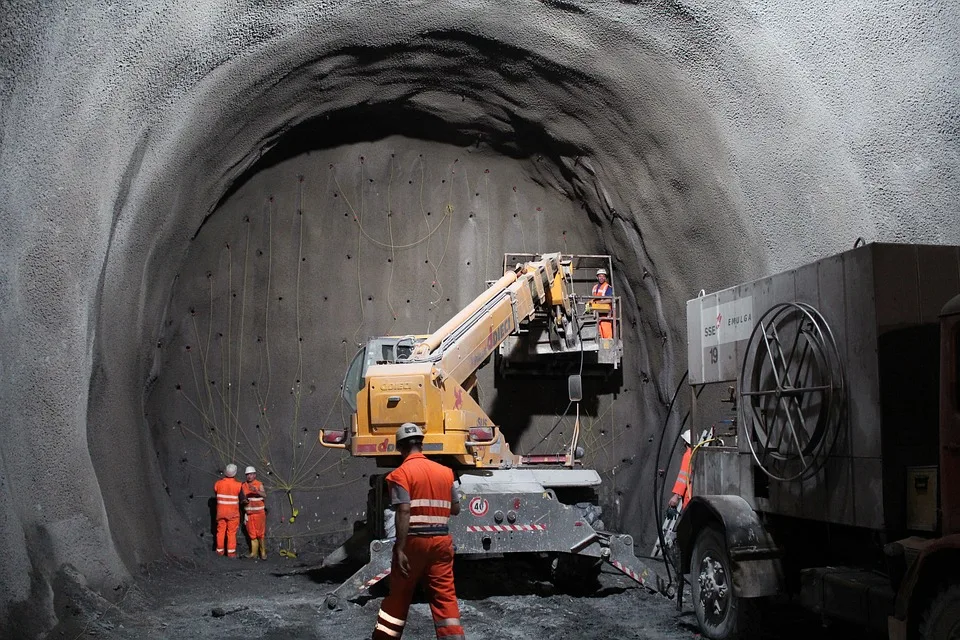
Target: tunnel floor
[(211, 597)]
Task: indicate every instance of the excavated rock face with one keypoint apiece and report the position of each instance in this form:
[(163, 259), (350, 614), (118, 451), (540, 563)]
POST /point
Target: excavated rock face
[(374, 153)]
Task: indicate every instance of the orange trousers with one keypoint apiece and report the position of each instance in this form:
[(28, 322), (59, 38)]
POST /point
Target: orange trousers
[(431, 563), (227, 528), (256, 524), (605, 327)]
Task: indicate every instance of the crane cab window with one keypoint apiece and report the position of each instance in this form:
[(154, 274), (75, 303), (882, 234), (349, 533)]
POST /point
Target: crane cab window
[(386, 354), (353, 379)]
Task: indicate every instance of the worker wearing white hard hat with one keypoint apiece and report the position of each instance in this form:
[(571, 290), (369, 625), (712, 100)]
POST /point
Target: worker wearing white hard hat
[(255, 514), (602, 305), (423, 494), (227, 491)]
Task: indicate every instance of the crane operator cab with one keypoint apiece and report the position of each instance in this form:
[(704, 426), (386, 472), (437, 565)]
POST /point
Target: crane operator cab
[(385, 350), (589, 342)]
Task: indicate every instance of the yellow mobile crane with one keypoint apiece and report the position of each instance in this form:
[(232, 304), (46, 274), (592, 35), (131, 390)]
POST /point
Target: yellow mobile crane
[(515, 503), (430, 380)]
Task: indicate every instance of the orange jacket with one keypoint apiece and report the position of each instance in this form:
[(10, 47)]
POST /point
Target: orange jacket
[(254, 494), (228, 498), (429, 486), (602, 289), (683, 486)]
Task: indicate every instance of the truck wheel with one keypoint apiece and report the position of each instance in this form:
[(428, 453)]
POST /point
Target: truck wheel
[(718, 609), (941, 620)]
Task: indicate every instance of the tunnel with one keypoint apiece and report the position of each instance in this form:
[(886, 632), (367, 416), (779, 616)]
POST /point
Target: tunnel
[(207, 208)]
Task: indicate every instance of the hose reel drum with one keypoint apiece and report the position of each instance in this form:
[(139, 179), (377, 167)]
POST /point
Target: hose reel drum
[(792, 391)]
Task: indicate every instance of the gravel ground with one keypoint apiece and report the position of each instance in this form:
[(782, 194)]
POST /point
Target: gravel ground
[(283, 598)]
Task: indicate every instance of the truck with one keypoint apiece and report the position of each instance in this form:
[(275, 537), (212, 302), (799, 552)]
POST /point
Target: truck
[(832, 479), (532, 319)]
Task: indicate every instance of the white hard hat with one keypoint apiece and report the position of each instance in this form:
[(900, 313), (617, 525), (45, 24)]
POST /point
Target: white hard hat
[(408, 430), (686, 436), (250, 470), (230, 470), (601, 270)]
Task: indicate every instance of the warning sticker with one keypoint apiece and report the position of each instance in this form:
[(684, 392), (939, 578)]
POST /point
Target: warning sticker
[(479, 506)]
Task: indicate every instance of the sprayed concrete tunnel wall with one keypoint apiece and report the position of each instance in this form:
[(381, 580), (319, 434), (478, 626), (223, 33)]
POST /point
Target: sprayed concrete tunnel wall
[(295, 271), (700, 143)]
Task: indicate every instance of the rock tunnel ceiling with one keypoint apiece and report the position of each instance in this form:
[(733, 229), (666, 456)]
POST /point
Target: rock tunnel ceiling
[(700, 143)]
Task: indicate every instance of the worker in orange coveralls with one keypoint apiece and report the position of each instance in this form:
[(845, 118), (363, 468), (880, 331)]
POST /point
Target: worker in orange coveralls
[(255, 513), (228, 490), (603, 288), (682, 488), (424, 497)]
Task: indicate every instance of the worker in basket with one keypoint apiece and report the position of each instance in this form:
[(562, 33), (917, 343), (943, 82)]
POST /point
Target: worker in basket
[(601, 305)]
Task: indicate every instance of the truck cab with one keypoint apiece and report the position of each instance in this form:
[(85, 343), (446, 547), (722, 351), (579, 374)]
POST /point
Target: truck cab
[(928, 595)]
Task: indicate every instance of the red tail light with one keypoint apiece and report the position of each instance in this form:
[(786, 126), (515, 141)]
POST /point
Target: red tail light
[(481, 434), (334, 437)]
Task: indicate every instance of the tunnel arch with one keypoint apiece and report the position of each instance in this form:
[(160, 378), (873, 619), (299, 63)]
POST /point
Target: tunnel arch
[(713, 143), (571, 165)]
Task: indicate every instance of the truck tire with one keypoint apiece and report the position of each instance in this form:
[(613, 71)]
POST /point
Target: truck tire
[(941, 620), (721, 614)]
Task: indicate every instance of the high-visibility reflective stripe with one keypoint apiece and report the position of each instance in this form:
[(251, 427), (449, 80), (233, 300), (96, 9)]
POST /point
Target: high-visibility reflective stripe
[(255, 499), (429, 520), (250, 509), (443, 504), (233, 504), (389, 618), (447, 622), (227, 496), (387, 630), (219, 550)]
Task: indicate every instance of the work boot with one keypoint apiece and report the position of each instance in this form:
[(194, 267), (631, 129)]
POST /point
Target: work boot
[(254, 545), (263, 548)]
